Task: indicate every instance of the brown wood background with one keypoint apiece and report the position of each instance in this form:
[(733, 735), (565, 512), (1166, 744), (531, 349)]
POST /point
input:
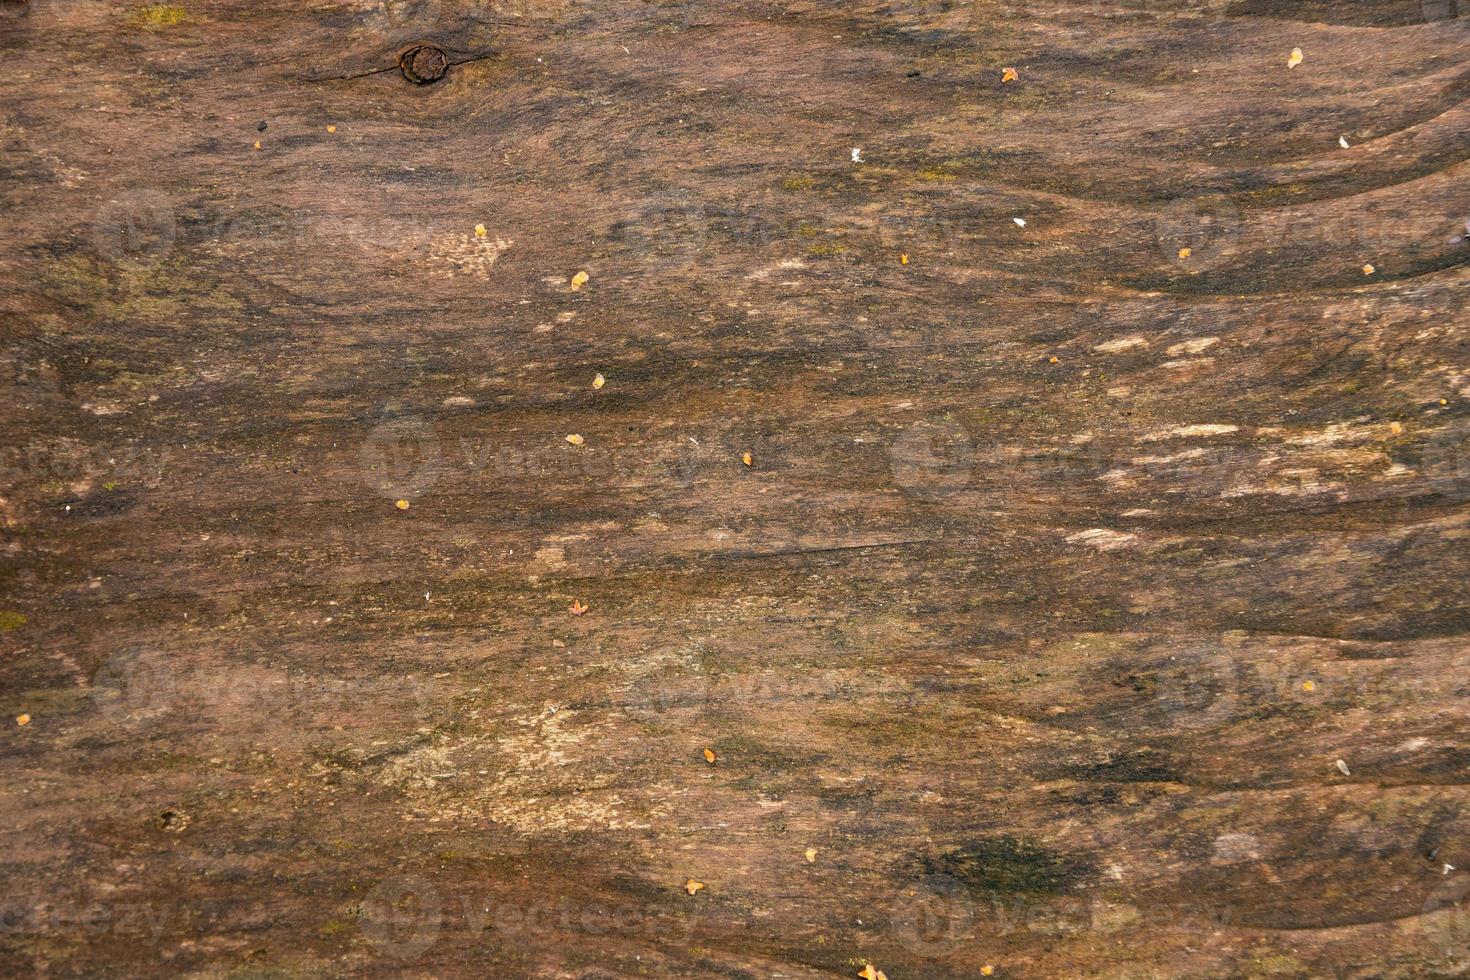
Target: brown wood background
[(1065, 571)]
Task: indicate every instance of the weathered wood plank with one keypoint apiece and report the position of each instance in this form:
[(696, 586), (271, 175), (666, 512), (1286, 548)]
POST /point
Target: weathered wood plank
[(1074, 553)]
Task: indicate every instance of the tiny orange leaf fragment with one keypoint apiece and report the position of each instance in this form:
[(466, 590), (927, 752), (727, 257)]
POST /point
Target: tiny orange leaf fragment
[(1053, 360), (1186, 252), (331, 128), (579, 280), (22, 720), (576, 608), (709, 756), (575, 439), (1008, 75), (871, 972), (1295, 59), (747, 459), (987, 970), (599, 381), (257, 144), (401, 504), (1368, 269), (691, 886)]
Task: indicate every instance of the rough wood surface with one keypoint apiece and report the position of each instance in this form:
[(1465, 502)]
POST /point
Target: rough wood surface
[(1071, 559)]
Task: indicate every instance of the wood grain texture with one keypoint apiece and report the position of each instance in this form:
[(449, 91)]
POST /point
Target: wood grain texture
[(1071, 558)]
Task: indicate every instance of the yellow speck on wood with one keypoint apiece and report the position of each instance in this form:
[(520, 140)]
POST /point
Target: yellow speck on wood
[(1396, 428), (257, 144), (579, 280), (331, 127), (903, 260), (691, 886), (747, 459), (1053, 359), (1295, 59), (480, 231), (987, 970), (709, 756), (575, 439), (811, 855), (1368, 269), (22, 720), (1186, 252), (11, 620), (599, 381), (156, 15), (401, 504), (871, 972), (1008, 75), (1309, 686)]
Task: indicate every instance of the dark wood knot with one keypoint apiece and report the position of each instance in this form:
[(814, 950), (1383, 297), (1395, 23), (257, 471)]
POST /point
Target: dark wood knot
[(423, 63)]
